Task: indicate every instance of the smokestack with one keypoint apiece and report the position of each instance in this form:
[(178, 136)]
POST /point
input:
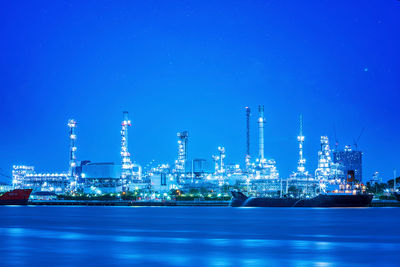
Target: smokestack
[(248, 131), (125, 156), (72, 147), (126, 122), (261, 121)]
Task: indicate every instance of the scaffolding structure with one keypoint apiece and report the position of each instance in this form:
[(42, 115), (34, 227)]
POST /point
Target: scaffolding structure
[(216, 164), (323, 172), (219, 161), (222, 156), (180, 162), (248, 158), (301, 169), (301, 179), (127, 166), (261, 122), (18, 174), (72, 147), (26, 177)]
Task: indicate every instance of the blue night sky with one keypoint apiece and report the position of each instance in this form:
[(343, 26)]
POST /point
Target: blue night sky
[(195, 65)]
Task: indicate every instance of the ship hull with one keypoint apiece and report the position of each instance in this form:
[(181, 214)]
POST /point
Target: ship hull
[(16, 197), (14, 202), (362, 200)]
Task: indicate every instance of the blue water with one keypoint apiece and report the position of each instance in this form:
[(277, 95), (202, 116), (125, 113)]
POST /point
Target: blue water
[(198, 236)]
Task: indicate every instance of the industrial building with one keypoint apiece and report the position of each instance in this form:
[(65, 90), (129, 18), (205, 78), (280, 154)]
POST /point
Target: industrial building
[(162, 183), (349, 160), (26, 177), (180, 162), (259, 175), (301, 179), (99, 178)]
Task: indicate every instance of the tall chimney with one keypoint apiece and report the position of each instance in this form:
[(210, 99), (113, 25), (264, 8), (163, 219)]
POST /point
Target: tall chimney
[(125, 156), (72, 147), (247, 131), (261, 121)]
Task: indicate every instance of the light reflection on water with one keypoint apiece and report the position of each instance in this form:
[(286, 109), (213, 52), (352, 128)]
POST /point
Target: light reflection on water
[(198, 236)]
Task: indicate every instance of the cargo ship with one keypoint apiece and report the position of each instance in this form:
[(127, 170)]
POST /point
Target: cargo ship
[(333, 193), (397, 195), (321, 200), (15, 197)]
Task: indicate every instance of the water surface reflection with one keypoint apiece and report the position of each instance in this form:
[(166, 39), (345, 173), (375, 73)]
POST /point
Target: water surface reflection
[(199, 236)]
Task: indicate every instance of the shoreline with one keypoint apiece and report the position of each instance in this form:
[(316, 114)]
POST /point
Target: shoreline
[(128, 203)]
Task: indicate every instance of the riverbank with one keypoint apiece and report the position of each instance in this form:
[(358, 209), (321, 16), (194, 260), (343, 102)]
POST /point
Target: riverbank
[(375, 203), (127, 203)]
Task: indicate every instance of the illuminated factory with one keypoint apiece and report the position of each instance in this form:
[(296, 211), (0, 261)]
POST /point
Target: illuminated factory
[(91, 178), (348, 160), (26, 177), (301, 179), (258, 175), (262, 176)]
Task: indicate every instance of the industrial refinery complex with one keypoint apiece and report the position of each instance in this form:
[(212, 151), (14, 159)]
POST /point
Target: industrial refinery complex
[(258, 175)]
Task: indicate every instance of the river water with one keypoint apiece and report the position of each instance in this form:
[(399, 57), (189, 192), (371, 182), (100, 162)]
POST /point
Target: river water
[(198, 236)]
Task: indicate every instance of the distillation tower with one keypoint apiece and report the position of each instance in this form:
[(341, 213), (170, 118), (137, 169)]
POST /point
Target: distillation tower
[(301, 169), (182, 152), (216, 164), (248, 158), (221, 151), (72, 148), (301, 179), (127, 166), (261, 122), (323, 172), (267, 167), (219, 161)]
